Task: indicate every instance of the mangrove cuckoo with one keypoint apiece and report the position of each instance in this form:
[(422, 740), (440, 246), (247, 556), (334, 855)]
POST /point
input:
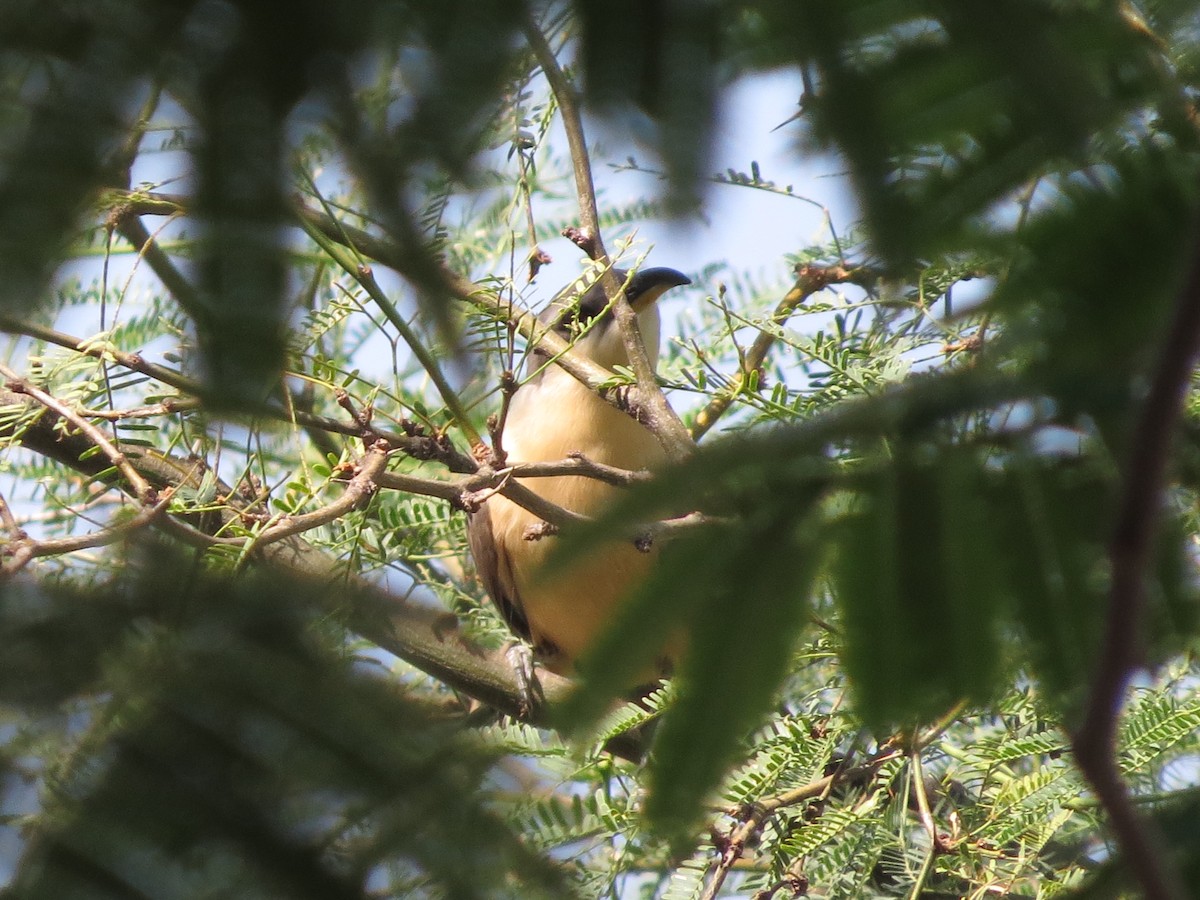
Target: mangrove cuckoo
[(550, 416)]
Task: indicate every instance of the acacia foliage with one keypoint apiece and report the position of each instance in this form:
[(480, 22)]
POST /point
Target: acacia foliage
[(896, 594)]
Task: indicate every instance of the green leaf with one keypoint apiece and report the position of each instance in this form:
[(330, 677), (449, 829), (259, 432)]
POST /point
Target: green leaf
[(914, 576), (239, 751), (742, 634), (942, 108)]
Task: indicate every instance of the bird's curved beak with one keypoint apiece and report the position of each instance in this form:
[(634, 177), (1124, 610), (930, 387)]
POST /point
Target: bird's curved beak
[(648, 285)]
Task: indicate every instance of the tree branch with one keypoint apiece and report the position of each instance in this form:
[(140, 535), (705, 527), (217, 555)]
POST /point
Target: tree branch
[(358, 491), (660, 418), (140, 487), (755, 815), (1130, 551), (21, 551), (429, 639), (365, 277), (809, 280)]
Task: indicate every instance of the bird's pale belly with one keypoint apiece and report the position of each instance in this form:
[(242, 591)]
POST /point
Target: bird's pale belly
[(568, 609)]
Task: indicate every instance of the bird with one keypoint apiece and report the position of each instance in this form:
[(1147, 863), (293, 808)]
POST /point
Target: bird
[(552, 415)]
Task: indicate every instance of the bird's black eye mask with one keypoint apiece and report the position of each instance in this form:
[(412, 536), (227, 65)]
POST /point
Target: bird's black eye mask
[(572, 318), (569, 318)]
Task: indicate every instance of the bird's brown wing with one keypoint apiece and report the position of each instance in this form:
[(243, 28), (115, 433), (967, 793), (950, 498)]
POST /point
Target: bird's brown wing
[(491, 561)]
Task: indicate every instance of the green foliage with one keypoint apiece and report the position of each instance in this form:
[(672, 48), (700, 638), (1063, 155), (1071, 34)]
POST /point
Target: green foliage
[(915, 569), (231, 747), (892, 587)]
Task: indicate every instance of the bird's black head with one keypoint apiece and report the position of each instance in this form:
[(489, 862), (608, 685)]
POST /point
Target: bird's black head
[(642, 290), (590, 314)]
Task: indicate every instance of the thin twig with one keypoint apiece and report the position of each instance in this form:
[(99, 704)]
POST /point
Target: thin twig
[(129, 150), (754, 181), (666, 530), (365, 277), (471, 491), (132, 229), (757, 814), (98, 349), (660, 418), (937, 842), (578, 464), (1129, 551), (809, 280), (9, 521), (21, 552), (358, 489), (168, 407), (141, 487), (567, 99)]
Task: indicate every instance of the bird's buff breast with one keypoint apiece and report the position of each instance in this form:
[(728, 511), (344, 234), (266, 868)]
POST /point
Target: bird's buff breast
[(569, 608)]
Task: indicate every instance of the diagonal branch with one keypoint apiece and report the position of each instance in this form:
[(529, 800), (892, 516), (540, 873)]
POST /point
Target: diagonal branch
[(365, 277), (140, 486), (659, 417), (755, 815), (21, 551), (1130, 551), (427, 638), (357, 491), (809, 280)]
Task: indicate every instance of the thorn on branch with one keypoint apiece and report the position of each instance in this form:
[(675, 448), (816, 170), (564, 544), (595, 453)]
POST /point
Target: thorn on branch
[(471, 501), (583, 238), (483, 455), (437, 447), (968, 344), (362, 417), (537, 259), (539, 530), (720, 840)]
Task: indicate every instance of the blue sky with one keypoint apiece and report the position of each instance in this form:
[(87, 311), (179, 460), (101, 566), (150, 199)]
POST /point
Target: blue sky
[(750, 229)]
